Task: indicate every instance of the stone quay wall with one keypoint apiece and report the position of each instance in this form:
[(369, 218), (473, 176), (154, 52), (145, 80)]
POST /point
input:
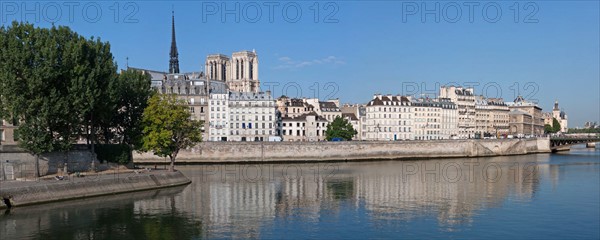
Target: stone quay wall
[(16, 163), (35, 192), (264, 152)]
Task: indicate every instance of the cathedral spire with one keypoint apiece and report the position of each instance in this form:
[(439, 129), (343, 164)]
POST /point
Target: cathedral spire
[(174, 55)]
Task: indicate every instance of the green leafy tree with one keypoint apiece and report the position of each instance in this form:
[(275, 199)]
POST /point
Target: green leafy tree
[(34, 75), (59, 86), (555, 125), (584, 130), (134, 90), (93, 72), (340, 128), (168, 127), (548, 128)]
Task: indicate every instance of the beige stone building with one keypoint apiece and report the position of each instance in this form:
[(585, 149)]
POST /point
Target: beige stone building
[(499, 117), (434, 119), (388, 118), (306, 119), (465, 102), (293, 107), (192, 87), (218, 120), (355, 122), (525, 118), (329, 109), (427, 119), (242, 116), (240, 72), (559, 115), (449, 119), (252, 116), (306, 127), (491, 117), (356, 115), (521, 123)]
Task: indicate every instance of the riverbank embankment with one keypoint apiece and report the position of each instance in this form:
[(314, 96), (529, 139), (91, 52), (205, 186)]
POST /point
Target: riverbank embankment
[(282, 152), (21, 193)]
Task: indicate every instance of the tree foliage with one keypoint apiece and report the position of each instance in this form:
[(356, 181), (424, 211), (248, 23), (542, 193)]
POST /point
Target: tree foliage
[(555, 125), (60, 86), (340, 128), (35, 73), (168, 127), (584, 130), (548, 129), (130, 93)]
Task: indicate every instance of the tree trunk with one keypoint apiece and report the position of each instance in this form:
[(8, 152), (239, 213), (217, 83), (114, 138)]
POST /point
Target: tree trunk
[(65, 168), (172, 166), (37, 165), (93, 164)]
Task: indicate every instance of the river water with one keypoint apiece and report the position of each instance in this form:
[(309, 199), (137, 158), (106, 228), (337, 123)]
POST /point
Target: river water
[(543, 196)]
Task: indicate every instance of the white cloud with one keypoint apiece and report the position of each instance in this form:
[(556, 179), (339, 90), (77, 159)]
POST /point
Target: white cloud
[(289, 63)]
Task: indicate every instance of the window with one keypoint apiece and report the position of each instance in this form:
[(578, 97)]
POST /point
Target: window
[(2, 135)]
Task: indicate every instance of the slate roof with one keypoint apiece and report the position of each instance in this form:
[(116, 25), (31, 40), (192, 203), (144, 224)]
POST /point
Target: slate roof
[(394, 100), (328, 107), (351, 116)]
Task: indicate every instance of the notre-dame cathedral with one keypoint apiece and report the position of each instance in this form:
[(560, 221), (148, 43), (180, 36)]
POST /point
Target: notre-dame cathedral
[(222, 74)]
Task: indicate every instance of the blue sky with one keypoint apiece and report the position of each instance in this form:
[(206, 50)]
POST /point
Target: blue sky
[(357, 48)]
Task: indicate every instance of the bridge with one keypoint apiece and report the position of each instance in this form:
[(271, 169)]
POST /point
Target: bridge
[(561, 142)]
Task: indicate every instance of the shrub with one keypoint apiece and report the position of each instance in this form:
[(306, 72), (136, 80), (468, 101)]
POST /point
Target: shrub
[(117, 153)]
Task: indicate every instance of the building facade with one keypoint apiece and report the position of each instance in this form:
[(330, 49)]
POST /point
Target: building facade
[(561, 117), (218, 120), (427, 119), (491, 117), (240, 72), (356, 115), (525, 118), (465, 102), (388, 118), (306, 127), (449, 119), (293, 107), (252, 116), (242, 116)]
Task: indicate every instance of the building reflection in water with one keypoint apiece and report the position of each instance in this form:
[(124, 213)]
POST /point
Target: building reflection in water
[(227, 201), (242, 200)]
